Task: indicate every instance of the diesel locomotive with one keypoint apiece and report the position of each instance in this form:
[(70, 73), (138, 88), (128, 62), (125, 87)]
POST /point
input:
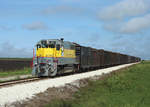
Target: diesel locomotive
[(56, 56)]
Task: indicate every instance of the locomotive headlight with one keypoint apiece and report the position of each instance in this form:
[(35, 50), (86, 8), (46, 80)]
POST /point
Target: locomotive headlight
[(49, 64), (35, 64)]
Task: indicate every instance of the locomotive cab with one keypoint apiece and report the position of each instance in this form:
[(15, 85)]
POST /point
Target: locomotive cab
[(48, 49)]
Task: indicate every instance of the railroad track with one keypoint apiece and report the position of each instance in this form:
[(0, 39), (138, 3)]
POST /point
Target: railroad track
[(8, 83), (32, 79), (26, 80)]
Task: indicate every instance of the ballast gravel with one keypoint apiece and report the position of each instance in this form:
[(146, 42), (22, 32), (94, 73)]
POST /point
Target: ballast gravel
[(25, 91)]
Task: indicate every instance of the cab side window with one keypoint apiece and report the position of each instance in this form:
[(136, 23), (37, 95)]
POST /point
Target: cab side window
[(72, 47), (38, 46)]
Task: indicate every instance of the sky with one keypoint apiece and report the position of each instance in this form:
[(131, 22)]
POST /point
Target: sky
[(115, 25)]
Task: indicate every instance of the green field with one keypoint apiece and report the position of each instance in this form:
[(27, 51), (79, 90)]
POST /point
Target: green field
[(128, 88), (24, 71), (24, 59)]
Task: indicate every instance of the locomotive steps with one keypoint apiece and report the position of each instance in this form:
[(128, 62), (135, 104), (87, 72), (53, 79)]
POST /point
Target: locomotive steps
[(21, 92)]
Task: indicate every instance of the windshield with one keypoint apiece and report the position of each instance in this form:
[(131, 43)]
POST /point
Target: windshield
[(44, 44), (51, 44)]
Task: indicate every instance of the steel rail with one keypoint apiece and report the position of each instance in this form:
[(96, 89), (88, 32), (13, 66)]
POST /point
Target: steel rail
[(9, 83)]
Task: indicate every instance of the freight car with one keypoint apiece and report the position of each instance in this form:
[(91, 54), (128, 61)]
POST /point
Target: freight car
[(54, 56)]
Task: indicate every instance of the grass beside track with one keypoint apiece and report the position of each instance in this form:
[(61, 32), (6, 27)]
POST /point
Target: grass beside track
[(130, 88), (15, 73), (18, 59)]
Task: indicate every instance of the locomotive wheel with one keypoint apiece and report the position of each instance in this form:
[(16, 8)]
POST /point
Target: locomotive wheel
[(60, 71), (52, 74), (75, 69), (52, 71), (35, 72)]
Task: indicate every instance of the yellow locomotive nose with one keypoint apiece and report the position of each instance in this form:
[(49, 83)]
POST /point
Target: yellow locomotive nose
[(47, 52)]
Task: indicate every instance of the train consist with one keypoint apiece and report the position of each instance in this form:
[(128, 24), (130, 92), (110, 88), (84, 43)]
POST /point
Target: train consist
[(54, 56)]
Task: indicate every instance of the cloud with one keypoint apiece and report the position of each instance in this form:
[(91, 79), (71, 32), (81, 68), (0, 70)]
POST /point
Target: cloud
[(123, 9), (136, 24), (63, 10), (113, 26), (132, 26), (8, 50), (127, 46), (36, 26), (126, 17)]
